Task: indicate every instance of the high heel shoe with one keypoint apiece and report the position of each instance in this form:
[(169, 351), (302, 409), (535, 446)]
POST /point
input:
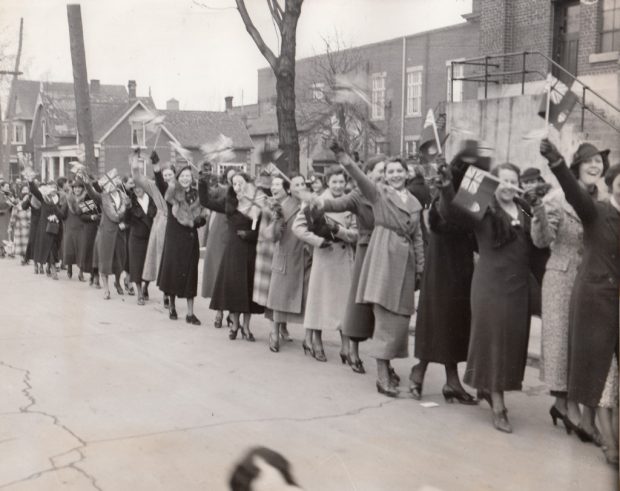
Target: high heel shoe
[(582, 434), (173, 314), (119, 289), (217, 323), (274, 346), (555, 414), (193, 320), (500, 421), (232, 334), (284, 335), (450, 394), (415, 387), (319, 355), (387, 389), (128, 287), (357, 366), (247, 336), (307, 349), (344, 358)]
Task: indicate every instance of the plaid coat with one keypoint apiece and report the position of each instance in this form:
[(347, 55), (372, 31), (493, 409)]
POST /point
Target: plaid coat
[(264, 257), (19, 227)]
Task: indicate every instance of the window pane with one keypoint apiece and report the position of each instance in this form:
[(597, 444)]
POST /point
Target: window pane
[(608, 4), (617, 20), (606, 44), (608, 21)]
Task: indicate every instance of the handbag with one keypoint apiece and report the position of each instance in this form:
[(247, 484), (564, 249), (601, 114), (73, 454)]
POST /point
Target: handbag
[(52, 228)]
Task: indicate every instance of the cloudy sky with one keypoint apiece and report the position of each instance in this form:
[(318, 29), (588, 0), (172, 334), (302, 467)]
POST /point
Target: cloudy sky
[(198, 50)]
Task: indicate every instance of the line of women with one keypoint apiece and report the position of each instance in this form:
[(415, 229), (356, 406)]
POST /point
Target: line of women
[(352, 262)]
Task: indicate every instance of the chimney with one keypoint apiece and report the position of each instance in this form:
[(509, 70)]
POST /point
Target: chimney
[(172, 105), (131, 88), (228, 101), (94, 86)]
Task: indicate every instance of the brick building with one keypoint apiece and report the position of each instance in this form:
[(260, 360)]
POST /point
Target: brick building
[(403, 78)]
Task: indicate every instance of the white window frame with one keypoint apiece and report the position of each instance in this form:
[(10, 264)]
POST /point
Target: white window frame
[(378, 96), (413, 83), (317, 91), (14, 127), (137, 127), (459, 86), (411, 140)]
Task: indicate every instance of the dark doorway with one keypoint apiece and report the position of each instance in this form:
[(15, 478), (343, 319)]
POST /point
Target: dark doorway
[(566, 38)]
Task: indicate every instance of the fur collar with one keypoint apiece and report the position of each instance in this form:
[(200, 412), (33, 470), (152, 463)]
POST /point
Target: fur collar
[(185, 210)]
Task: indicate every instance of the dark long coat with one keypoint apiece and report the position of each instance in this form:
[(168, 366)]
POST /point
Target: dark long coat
[(47, 245), (444, 313), (72, 227), (90, 215), (359, 321), (35, 214), (178, 271), (139, 224), (217, 240), (594, 316), (234, 282)]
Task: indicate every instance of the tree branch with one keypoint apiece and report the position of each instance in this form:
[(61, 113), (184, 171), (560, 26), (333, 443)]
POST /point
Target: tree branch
[(258, 40), (276, 12)]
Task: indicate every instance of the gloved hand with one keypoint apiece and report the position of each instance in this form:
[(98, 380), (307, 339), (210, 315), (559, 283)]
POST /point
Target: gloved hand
[(532, 197), (154, 158), (549, 151)]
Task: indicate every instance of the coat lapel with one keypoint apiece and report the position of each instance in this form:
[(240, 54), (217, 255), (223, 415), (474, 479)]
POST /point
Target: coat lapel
[(409, 207)]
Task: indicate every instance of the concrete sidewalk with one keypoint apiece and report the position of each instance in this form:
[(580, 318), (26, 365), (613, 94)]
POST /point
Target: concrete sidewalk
[(109, 395)]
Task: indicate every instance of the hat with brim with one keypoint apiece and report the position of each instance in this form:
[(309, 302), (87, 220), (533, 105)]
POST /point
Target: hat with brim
[(586, 151), (531, 174)]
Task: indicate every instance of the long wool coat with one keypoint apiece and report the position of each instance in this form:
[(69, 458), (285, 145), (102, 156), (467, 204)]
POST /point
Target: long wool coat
[(139, 224), (217, 240), (290, 267), (35, 213), (594, 314), (264, 257), (72, 228), (332, 269), (178, 273), (90, 214), (156, 190), (110, 248), (48, 245), (359, 320), (444, 312), (234, 281), (20, 229), (556, 225)]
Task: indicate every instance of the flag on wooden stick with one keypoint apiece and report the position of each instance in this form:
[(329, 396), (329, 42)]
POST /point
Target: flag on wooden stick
[(110, 180), (433, 134), (476, 192), (559, 101)]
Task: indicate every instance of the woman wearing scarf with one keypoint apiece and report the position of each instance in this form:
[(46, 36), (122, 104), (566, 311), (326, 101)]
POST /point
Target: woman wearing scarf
[(139, 220), (178, 273), (500, 306), (109, 244), (333, 238), (234, 283), (156, 190), (90, 216), (47, 250), (216, 242), (290, 266), (593, 320), (73, 227), (359, 321), (19, 225), (393, 264)]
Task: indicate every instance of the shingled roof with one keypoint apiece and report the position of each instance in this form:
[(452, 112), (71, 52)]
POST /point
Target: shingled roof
[(193, 128)]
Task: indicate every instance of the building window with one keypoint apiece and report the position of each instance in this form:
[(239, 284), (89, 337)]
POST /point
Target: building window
[(378, 95), (382, 147), (18, 134), (457, 85), (317, 91), (414, 91), (610, 34), (138, 135), (411, 146)]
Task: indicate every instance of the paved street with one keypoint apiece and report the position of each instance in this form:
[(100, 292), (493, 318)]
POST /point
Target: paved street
[(107, 395)]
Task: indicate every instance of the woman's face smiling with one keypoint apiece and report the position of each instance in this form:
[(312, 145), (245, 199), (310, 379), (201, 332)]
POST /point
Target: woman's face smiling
[(185, 179), (395, 175), (336, 184), (591, 170)]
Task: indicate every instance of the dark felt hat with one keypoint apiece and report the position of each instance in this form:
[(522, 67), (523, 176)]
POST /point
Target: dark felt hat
[(531, 174), (586, 151)]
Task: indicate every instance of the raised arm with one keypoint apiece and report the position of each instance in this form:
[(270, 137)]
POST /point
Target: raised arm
[(92, 192), (209, 199), (348, 202), (34, 189), (367, 187)]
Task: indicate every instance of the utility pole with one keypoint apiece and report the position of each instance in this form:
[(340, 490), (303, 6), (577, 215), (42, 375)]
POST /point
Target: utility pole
[(80, 86), (10, 108)]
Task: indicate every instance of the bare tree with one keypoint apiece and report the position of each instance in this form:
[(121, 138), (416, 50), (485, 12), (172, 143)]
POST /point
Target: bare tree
[(283, 67), (339, 106)]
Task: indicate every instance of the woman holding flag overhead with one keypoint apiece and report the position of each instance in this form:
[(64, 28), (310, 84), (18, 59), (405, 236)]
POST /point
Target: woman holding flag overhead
[(500, 313), (178, 273), (393, 264)]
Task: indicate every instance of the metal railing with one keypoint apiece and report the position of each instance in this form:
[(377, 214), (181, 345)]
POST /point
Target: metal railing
[(493, 74)]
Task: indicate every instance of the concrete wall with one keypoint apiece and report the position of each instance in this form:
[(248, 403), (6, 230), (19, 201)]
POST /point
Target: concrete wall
[(511, 128)]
